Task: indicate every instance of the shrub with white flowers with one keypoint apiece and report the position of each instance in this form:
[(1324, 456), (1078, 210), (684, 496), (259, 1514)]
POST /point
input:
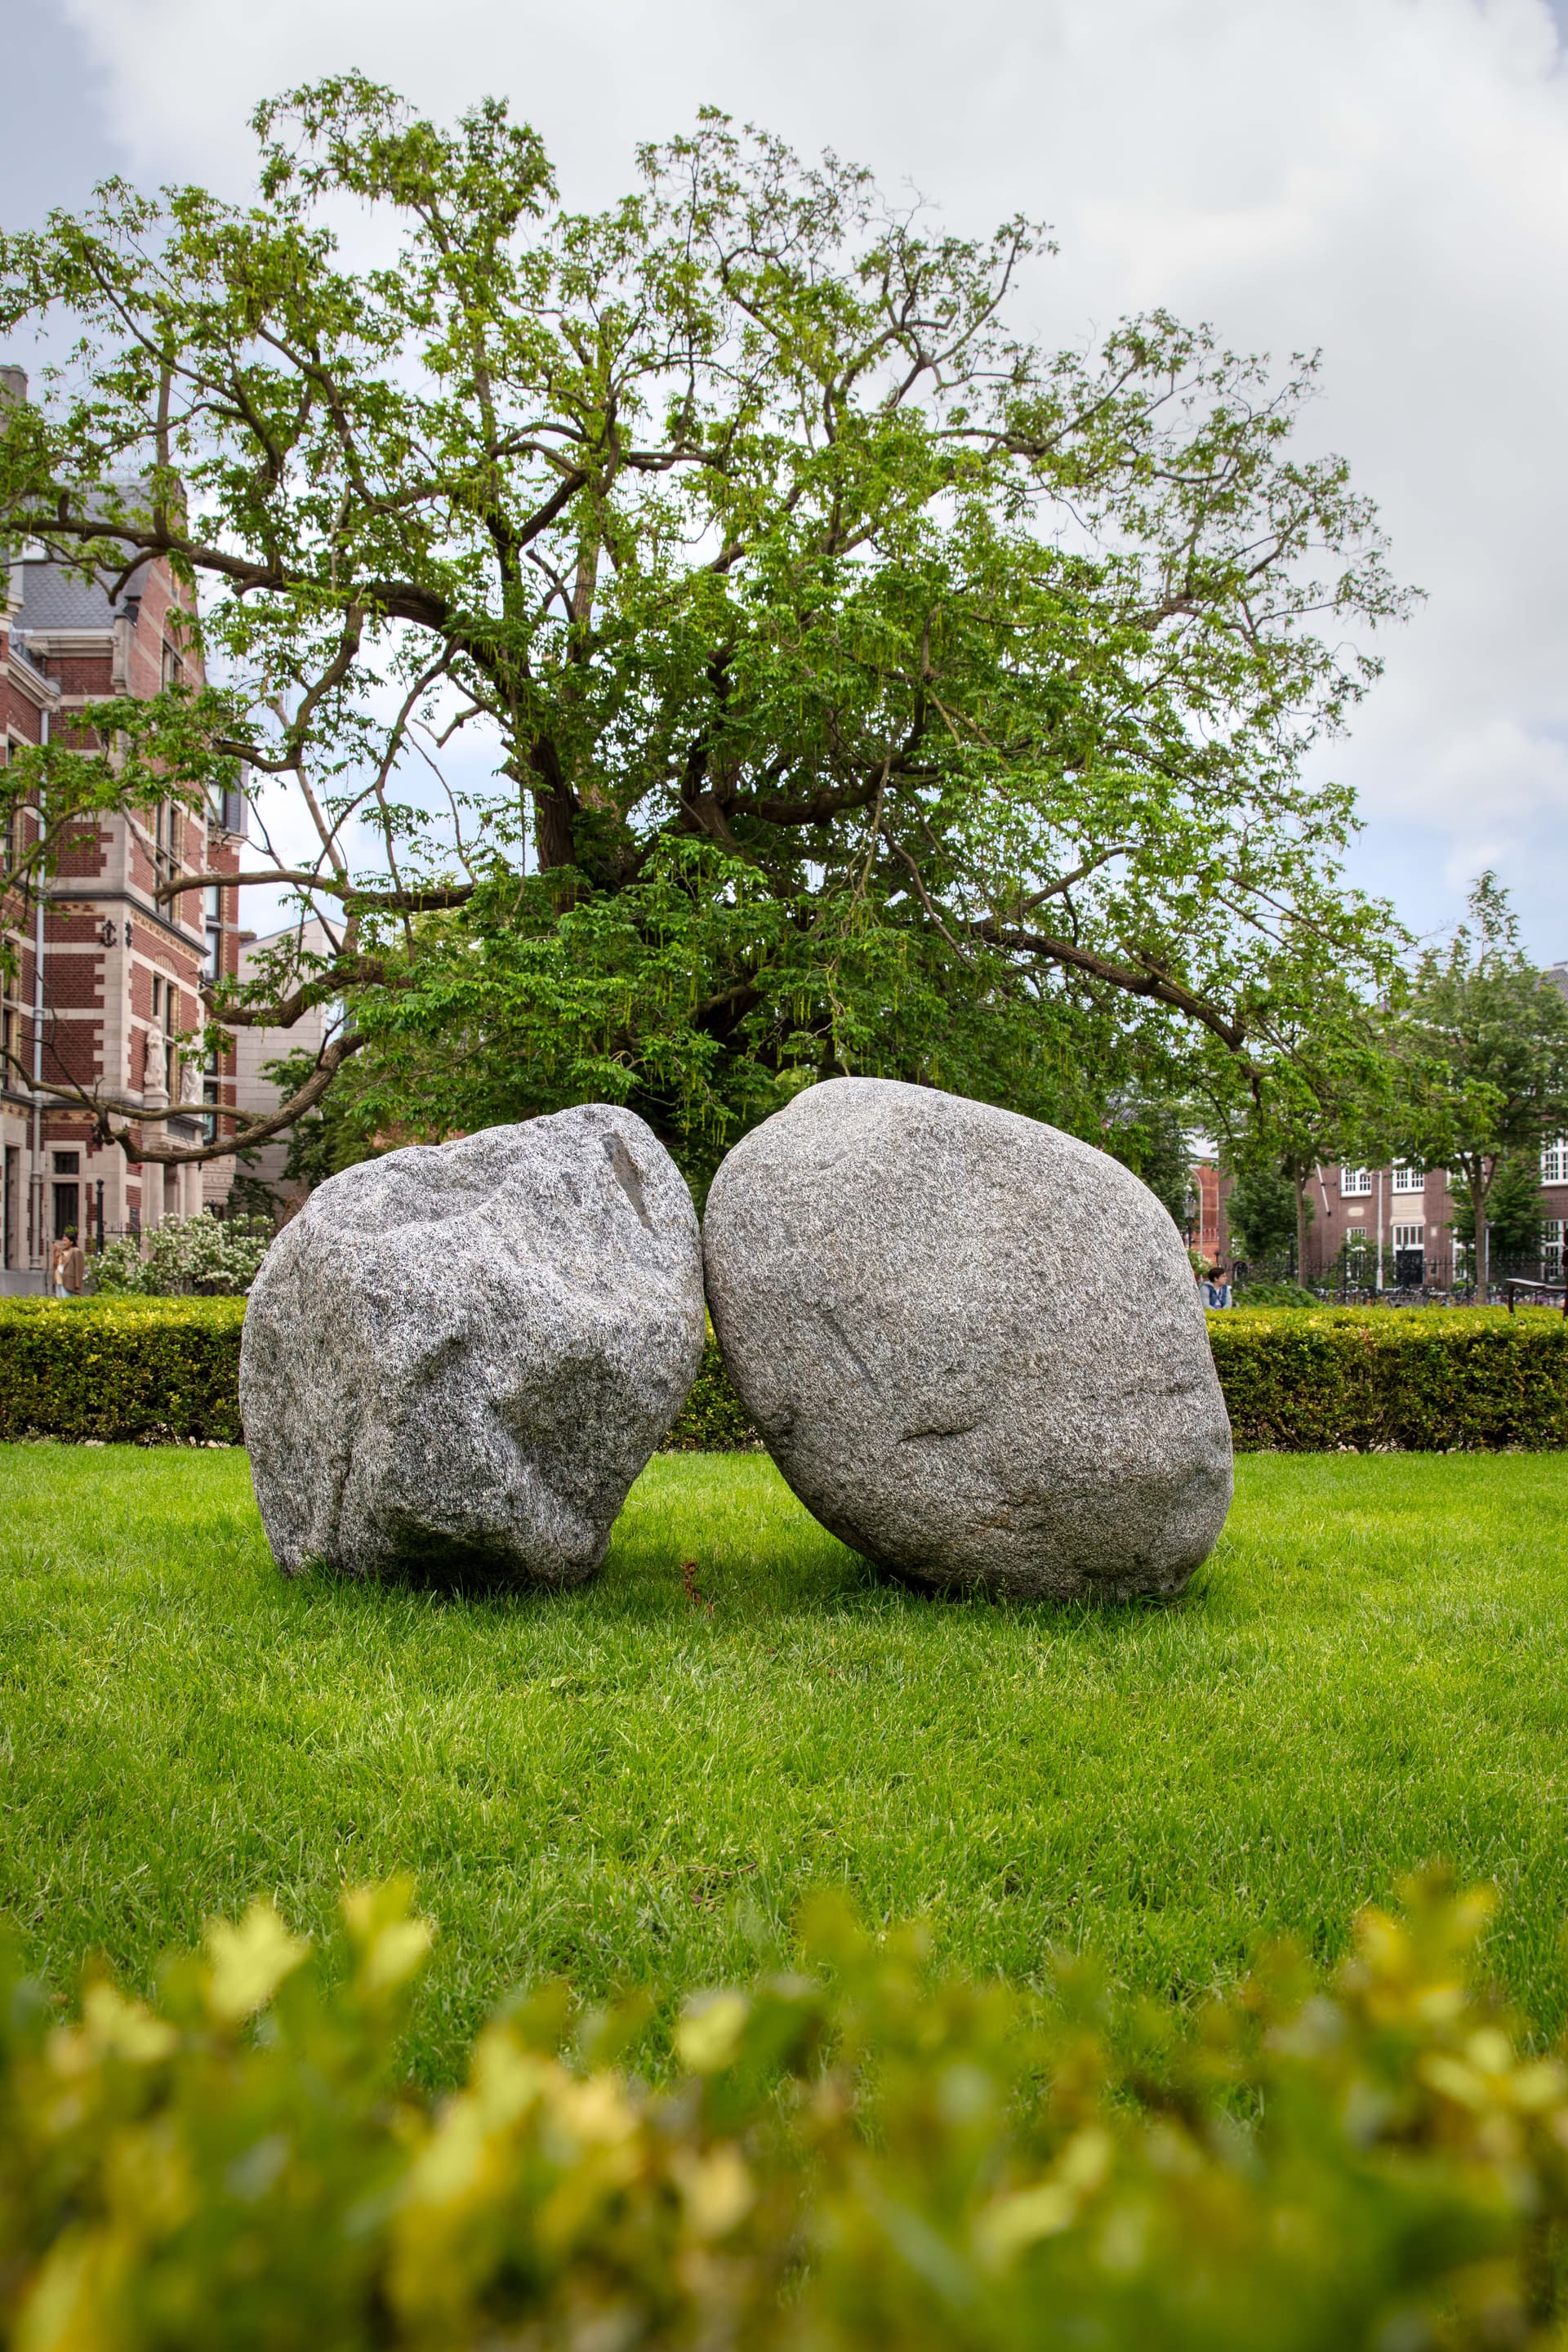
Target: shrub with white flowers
[(203, 1256)]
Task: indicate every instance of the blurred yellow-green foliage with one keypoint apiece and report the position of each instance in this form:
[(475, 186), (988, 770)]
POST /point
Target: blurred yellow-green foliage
[(860, 2155)]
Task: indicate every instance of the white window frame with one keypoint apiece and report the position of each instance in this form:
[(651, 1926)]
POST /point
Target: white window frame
[(1355, 1183), (1408, 1176), (1554, 1162), (1552, 1248)]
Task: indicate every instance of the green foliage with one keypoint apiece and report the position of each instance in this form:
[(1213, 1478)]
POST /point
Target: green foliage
[(1276, 1294), (1426, 1379), (712, 1420), (869, 690), (858, 2153), (1387, 1377), (1304, 1378), (202, 1256), (1262, 1212), (1483, 1047), (1149, 1137), (123, 1368), (250, 1200), (1513, 1209)]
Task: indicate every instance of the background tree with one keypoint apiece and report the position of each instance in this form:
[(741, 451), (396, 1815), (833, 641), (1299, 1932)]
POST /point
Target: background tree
[(864, 688), (1332, 1095), (1514, 1217), (1482, 1044), (1262, 1213)]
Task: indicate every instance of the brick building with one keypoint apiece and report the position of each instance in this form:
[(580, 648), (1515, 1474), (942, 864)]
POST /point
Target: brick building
[(1208, 1192), (259, 1096), (106, 993), (1397, 1224)]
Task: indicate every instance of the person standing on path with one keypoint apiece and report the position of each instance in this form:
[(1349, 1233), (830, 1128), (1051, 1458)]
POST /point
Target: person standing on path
[(69, 1266)]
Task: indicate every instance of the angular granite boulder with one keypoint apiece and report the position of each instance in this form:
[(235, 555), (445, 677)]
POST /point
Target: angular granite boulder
[(456, 1359), (972, 1345)]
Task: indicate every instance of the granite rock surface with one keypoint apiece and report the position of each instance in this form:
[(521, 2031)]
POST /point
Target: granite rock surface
[(973, 1344), (457, 1357)]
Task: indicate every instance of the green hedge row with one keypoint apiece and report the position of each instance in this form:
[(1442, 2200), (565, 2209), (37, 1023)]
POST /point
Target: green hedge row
[(712, 1420), (144, 1370), (1396, 1378), (1392, 1379)]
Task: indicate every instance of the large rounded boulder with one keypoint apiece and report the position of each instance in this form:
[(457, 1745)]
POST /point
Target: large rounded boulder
[(457, 1357), (972, 1345)]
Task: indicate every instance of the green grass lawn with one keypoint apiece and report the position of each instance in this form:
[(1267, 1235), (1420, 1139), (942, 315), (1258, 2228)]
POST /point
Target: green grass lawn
[(633, 1783)]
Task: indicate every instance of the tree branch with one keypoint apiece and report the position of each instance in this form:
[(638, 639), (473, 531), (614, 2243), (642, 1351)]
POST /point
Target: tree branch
[(243, 1138), (392, 902), (1147, 982)]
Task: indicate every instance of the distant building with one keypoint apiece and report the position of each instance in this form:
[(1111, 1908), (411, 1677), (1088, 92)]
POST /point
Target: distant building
[(107, 992), (1208, 1196), (258, 1096), (1394, 1225)]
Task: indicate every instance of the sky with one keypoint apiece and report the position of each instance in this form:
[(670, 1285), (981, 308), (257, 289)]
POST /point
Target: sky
[(1385, 180)]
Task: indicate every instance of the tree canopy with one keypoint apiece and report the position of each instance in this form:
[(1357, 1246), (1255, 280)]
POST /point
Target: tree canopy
[(863, 687), (1481, 1046)]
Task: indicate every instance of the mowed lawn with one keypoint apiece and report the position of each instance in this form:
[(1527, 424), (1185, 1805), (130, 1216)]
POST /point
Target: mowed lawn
[(640, 1782)]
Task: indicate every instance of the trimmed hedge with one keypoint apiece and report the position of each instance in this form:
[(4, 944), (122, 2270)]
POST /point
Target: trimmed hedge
[(152, 1372), (712, 1420), (1370, 1379), (1375, 1379), (1392, 1379)]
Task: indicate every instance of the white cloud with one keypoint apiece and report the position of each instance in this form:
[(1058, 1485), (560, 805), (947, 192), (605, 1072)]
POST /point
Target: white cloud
[(1386, 178)]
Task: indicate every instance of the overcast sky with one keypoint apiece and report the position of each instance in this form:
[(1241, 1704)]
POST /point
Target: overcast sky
[(1385, 179)]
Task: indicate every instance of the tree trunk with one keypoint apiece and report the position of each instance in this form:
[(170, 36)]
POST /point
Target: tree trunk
[(552, 830), (554, 808), (1478, 1191), (1299, 1174)]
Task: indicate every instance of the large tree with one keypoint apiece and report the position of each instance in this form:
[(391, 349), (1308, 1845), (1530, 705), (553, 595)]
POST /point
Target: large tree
[(866, 688), (1482, 1042)]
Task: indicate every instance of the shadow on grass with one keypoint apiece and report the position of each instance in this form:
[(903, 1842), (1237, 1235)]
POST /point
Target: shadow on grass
[(660, 1583)]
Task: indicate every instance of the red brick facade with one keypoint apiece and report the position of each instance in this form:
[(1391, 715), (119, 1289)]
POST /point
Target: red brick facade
[(122, 972), (1399, 1221)]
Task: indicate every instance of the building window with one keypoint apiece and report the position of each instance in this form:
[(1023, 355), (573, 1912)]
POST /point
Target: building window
[(1409, 1256), (1554, 1162), (173, 667), (1409, 1176), (212, 963), (165, 1013), (1353, 1181), (226, 812), (68, 1212), (168, 818), (212, 1092), (1552, 1249)]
